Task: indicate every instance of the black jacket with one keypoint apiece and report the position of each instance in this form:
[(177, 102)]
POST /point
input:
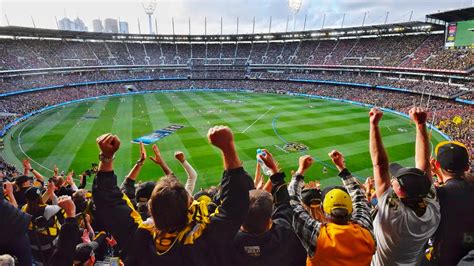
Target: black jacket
[(209, 247), (13, 221), (279, 245)]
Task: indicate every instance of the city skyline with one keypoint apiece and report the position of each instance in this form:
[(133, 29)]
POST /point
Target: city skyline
[(43, 14)]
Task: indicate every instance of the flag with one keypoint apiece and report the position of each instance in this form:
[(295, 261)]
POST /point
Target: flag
[(457, 120)]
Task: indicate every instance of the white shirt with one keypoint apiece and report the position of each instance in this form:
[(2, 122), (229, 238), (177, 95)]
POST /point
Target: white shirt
[(400, 233)]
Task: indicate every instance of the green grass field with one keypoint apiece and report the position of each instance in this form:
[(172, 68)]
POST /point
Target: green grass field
[(66, 136)]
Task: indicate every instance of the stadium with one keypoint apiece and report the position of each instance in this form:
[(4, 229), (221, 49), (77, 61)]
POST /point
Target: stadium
[(288, 97)]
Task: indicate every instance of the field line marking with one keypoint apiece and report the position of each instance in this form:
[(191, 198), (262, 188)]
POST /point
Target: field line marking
[(23, 151), (258, 118)]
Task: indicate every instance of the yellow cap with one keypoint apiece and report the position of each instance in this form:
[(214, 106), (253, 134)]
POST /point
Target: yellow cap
[(337, 199)]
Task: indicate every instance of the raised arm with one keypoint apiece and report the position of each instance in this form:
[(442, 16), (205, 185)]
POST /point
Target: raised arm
[(114, 209), (69, 236), (159, 161), (360, 204), (133, 174), (278, 188), (422, 146), (378, 154), (258, 179), (192, 174), (305, 226), (128, 184), (108, 145), (70, 181), (222, 138), (49, 194), (27, 169), (9, 192), (235, 183)]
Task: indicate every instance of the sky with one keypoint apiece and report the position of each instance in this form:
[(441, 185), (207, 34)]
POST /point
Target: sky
[(44, 13)]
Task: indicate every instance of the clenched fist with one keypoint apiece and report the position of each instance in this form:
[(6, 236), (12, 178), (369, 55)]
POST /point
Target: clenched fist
[(66, 203), (418, 115), (108, 144), (375, 116), (338, 159), (179, 155), (304, 163), (221, 137)]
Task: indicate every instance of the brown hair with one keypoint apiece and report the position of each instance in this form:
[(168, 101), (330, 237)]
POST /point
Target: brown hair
[(169, 204), (260, 211)]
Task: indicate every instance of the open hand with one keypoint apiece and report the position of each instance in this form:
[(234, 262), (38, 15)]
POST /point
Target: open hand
[(69, 179), (157, 159), (26, 164), (142, 152)]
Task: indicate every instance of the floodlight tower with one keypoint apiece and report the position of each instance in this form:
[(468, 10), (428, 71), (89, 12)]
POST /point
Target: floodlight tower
[(149, 6), (295, 6)]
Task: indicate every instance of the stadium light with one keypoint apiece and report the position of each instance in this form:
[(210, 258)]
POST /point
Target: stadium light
[(295, 5), (149, 6)]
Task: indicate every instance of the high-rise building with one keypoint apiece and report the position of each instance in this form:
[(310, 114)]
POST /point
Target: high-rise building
[(68, 24), (97, 25), (79, 25), (65, 24), (111, 25), (123, 27)]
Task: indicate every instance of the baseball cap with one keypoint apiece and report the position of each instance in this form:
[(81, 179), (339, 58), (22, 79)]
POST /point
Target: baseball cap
[(452, 156), (22, 179), (32, 193), (414, 181), (84, 251), (144, 191), (311, 196), (336, 198)]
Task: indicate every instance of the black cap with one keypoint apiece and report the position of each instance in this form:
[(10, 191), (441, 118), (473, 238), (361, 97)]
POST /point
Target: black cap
[(84, 251), (22, 179), (33, 193), (414, 181), (311, 196), (144, 191), (452, 156)]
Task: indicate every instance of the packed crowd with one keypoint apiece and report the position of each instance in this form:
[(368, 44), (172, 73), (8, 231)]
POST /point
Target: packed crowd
[(401, 215), (430, 85), (418, 51)]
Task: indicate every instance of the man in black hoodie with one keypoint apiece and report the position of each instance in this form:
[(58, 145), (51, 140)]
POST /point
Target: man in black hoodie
[(266, 237), (13, 230)]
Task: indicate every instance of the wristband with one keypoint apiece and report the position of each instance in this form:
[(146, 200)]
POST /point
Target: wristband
[(105, 159), (139, 162)]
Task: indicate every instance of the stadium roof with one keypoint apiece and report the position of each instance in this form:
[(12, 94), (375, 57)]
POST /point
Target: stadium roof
[(327, 33), (454, 15)]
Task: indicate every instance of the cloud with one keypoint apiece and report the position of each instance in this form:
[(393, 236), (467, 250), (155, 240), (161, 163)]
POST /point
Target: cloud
[(20, 12)]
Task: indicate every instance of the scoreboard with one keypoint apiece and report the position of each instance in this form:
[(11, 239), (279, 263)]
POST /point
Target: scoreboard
[(460, 34)]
